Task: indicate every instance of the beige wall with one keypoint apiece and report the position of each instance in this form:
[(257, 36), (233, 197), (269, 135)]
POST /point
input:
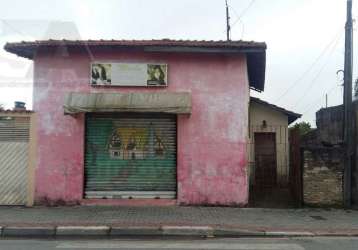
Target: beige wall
[(277, 122), (29, 149)]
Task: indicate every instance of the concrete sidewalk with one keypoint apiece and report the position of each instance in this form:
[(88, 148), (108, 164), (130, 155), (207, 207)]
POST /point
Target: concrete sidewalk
[(176, 221)]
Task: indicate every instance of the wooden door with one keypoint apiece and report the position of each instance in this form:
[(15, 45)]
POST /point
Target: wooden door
[(265, 160)]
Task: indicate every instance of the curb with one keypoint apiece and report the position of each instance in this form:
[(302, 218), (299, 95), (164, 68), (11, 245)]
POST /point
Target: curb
[(160, 231), (187, 231), (28, 231), (337, 234), (289, 234), (89, 231), (135, 231), (229, 232)]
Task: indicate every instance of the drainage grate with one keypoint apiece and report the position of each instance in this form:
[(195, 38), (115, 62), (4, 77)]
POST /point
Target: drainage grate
[(317, 217)]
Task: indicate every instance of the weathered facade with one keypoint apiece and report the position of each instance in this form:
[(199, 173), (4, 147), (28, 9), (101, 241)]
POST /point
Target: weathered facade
[(330, 125), (323, 176), (195, 156), (323, 160), (329, 132)]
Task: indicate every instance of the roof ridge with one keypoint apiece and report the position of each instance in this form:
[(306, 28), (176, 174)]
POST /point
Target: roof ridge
[(140, 40), (278, 108)]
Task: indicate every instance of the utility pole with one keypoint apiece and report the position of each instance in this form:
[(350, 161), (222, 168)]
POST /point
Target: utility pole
[(227, 22), (348, 128)]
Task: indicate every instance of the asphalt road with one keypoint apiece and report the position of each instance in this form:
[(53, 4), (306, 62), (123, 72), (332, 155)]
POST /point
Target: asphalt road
[(315, 243)]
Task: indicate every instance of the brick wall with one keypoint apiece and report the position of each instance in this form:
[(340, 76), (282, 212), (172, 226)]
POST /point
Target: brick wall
[(323, 176)]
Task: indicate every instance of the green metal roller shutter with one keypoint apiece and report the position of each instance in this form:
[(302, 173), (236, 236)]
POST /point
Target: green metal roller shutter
[(130, 156)]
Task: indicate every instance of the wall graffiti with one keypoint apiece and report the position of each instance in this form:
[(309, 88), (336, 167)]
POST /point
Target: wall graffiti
[(135, 143)]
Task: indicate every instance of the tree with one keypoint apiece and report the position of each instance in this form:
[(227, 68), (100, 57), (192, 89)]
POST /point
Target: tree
[(303, 127), (1, 107)]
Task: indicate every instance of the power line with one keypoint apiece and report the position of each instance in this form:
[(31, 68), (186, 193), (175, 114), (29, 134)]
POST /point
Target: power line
[(313, 104), (243, 12), (242, 23), (336, 37), (319, 73), (24, 35), (11, 27), (239, 16)]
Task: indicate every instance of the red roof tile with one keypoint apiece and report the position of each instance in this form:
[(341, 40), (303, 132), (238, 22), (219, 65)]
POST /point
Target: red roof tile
[(162, 42)]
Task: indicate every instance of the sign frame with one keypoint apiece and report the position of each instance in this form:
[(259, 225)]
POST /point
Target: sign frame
[(162, 81)]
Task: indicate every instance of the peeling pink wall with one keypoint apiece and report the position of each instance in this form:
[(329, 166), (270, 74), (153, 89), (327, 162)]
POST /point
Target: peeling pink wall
[(211, 141)]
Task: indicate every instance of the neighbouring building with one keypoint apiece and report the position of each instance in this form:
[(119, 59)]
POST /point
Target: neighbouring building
[(268, 151), (17, 157), (323, 160), (324, 156), (152, 121)]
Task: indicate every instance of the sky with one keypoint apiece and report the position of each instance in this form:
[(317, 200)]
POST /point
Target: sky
[(305, 39)]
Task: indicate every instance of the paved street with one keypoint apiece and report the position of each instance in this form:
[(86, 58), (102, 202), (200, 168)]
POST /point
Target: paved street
[(275, 219), (210, 244)]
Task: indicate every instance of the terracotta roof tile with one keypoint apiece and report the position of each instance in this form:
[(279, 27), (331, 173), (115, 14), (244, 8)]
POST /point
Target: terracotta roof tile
[(16, 46)]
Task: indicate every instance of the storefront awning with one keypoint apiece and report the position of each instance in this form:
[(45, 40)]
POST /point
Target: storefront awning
[(164, 102)]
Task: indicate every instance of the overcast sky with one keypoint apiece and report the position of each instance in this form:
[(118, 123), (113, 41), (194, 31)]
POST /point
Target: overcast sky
[(305, 38)]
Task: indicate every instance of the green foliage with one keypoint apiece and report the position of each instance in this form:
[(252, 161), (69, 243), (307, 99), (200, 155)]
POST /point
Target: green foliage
[(304, 127)]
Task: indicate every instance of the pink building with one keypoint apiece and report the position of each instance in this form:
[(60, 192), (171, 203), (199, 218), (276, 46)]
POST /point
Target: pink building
[(146, 122)]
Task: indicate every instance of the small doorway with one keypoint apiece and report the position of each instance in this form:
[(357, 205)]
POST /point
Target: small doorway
[(265, 161), (264, 191), (265, 187)]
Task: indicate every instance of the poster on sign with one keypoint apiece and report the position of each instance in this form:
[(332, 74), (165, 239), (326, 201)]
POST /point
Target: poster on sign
[(128, 74), (156, 75), (101, 74)]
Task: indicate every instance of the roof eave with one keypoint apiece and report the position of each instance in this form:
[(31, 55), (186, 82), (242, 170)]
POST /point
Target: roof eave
[(292, 116), (256, 68), (256, 54)]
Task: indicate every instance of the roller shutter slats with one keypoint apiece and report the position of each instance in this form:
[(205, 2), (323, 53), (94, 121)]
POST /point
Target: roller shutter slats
[(130, 156)]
